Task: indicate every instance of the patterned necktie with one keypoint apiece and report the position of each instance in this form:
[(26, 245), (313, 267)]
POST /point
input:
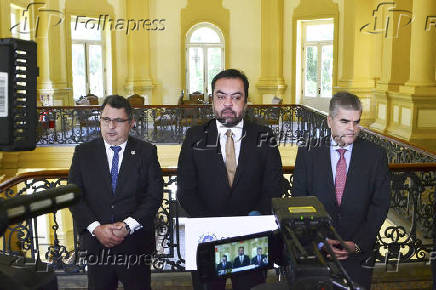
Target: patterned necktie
[(230, 157), (341, 175), (114, 170)]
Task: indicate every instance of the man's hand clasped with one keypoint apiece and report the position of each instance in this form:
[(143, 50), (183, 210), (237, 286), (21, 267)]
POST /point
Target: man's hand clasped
[(111, 235)]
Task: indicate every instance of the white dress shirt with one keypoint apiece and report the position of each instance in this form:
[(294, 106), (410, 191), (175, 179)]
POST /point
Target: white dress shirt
[(335, 155), (131, 222), (237, 137)]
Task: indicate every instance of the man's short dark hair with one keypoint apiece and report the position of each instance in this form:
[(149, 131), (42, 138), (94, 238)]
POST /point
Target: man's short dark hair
[(345, 100), (224, 256), (232, 74), (118, 102)]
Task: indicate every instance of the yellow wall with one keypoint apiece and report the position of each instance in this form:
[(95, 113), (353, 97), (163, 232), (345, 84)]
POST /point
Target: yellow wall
[(245, 41), (165, 50), (288, 49)]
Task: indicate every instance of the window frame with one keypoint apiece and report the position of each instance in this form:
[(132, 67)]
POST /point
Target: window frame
[(204, 47), (319, 44), (87, 43)]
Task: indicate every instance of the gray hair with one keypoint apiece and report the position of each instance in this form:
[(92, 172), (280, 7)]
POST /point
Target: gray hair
[(345, 100)]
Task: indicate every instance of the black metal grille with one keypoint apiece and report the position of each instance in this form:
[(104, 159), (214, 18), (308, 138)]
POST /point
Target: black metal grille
[(19, 69)]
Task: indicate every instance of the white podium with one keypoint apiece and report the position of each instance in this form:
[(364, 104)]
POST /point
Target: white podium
[(198, 230)]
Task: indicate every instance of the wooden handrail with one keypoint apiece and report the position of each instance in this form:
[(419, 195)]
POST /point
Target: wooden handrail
[(57, 173), (63, 173), (43, 174), (401, 141), (394, 167), (401, 167)]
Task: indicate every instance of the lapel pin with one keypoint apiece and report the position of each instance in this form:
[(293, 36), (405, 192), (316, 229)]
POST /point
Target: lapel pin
[(133, 152)]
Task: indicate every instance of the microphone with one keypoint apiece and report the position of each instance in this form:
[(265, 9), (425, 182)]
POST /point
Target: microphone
[(19, 208), (338, 139)]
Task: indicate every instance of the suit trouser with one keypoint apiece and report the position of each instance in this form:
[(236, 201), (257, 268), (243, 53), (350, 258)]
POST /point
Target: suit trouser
[(106, 277), (358, 273), (239, 282)]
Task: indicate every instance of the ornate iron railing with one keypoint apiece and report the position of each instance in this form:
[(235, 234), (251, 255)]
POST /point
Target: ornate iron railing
[(398, 151), (410, 237), (168, 124), (24, 239), (408, 240), (292, 124)]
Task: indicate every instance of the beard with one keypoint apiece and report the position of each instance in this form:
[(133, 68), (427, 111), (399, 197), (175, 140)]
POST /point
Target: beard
[(229, 121)]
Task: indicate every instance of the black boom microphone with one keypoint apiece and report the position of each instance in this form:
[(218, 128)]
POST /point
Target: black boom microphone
[(17, 209)]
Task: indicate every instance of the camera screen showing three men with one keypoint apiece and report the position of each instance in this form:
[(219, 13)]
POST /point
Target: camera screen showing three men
[(232, 257)]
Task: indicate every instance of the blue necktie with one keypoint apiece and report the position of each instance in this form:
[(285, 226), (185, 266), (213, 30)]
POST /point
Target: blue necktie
[(114, 170)]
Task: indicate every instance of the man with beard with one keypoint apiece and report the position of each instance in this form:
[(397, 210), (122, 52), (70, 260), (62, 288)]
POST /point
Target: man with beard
[(229, 166), (241, 260)]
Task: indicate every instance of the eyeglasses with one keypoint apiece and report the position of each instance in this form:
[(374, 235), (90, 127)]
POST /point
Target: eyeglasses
[(116, 121)]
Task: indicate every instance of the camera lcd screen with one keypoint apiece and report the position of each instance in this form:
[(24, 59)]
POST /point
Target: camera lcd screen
[(245, 255)]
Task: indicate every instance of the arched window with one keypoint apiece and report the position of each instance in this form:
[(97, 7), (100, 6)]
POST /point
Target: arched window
[(204, 57)]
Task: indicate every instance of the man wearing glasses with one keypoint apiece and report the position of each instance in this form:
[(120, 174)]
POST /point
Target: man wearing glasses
[(121, 182), (229, 166)]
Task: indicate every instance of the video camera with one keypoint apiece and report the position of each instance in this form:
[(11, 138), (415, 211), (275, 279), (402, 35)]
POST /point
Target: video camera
[(299, 247)]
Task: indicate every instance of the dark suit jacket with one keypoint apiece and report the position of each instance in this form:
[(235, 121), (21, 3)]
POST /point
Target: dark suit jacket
[(254, 260), (138, 193), (221, 267), (237, 262), (203, 189), (365, 201)]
